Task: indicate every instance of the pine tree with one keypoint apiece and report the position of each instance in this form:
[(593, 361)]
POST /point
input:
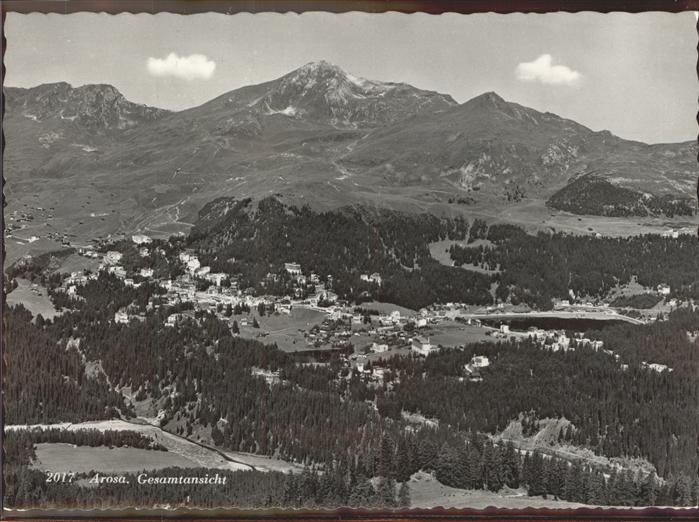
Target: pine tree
[(695, 491), (448, 470), (596, 493), (386, 492), (362, 494), (555, 477), (535, 481), (573, 489), (474, 477), (427, 454), (403, 467), (510, 466), (683, 490), (404, 496), (649, 490), (492, 467), (385, 464), (216, 435)]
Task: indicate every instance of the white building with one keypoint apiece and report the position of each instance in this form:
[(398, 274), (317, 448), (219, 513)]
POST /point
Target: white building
[(141, 239), (112, 257), (378, 373), (146, 272), (77, 278), (480, 361), (504, 328), (121, 317), (216, 278), (172, 319), (118, 271), (293, 268), (202, 271), (379, 348), (655, 367), (374, 278), (422, 347), (663, 289), (193, 264)]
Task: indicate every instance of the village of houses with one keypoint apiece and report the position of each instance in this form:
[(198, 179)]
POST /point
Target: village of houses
[(363, 335)]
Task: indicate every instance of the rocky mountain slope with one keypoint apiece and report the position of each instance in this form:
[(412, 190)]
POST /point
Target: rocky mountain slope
[(98, 107), (489, 144), (52, 127), (320, 136)]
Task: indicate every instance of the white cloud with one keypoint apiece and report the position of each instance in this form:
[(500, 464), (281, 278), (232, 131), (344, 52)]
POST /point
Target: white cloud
[(192, 67), (542, 70)]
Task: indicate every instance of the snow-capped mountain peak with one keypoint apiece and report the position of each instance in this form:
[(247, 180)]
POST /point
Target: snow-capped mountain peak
[(323, 91)]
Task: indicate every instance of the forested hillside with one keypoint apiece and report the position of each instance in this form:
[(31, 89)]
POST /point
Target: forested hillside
[(530, 269), (534, 269), (262, 236), (591, 194), (320, 415), (331, 417)]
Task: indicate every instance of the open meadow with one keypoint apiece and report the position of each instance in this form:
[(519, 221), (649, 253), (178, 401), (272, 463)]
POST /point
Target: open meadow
[(62, 458), (33, 297)]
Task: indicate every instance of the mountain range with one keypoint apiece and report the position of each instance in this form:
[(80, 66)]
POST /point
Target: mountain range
[(322, 137)]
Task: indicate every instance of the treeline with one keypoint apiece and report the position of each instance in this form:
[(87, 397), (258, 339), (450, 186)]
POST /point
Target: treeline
[(471, 463), (26, 438), (617, 412), (106, 295), (636, 412), (534, 269), (33, 267), (477, 465), (664, 342), (45, 381), (200, 374), (162, 257), (342, 244), (641, 301), (250, 240), (202, 377), (593, 195)]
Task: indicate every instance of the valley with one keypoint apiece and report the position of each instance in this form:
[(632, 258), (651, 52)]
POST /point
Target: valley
[(336, 291)]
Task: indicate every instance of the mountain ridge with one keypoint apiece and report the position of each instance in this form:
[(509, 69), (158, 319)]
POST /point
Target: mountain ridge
[(320, 136)]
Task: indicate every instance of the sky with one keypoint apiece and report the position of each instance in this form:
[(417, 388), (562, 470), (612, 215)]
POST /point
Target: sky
[(632, 74)]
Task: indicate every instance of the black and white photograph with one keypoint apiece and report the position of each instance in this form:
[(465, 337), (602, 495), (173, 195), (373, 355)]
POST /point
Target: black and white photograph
[(314, 261)]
